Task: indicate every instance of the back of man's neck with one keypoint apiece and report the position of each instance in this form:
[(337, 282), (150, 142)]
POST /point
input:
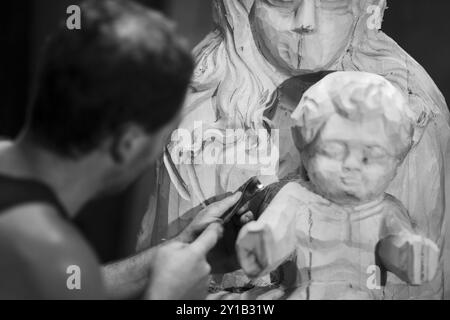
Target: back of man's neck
[(73, 182)]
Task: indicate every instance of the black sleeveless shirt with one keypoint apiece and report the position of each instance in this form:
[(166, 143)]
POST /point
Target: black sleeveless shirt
[(16, 191)]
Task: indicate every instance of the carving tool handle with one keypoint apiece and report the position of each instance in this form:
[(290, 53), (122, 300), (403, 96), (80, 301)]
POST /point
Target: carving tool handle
[(249, 190)]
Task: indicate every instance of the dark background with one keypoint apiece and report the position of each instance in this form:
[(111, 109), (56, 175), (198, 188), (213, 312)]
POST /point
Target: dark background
[(421, 27)]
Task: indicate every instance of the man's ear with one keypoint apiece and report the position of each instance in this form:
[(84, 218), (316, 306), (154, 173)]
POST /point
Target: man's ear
[(128, 143)]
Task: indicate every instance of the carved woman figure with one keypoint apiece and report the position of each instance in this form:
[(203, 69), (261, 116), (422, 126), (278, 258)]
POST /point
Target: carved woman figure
[(258, 45)]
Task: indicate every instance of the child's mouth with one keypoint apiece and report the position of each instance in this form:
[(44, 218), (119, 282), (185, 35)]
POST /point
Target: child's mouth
[(351, 181)]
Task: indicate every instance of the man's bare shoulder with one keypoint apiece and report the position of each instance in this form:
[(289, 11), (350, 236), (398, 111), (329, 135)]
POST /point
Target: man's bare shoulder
[(43, 257)]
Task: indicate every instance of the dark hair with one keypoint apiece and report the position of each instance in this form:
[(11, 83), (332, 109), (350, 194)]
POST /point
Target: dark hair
[(125, 65)]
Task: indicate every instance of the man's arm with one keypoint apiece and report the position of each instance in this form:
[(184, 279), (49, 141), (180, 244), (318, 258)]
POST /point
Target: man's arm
[(43, 257), (128, 278)]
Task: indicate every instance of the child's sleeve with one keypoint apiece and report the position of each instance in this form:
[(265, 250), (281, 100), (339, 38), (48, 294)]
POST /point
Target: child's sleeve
[(402, 250), (264, 244), (396, 219)]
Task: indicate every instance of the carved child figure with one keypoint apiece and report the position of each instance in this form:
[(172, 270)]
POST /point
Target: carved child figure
[(353, 130)]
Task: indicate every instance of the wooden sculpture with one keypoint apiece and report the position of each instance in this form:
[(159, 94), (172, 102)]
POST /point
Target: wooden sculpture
[(257, 46), (353, 130)]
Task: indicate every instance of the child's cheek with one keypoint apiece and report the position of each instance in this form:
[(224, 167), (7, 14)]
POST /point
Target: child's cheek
[(377, 177), (325, 169)]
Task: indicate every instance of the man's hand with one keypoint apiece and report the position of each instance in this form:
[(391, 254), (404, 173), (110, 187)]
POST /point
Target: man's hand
[(180, 271), (212, 214)]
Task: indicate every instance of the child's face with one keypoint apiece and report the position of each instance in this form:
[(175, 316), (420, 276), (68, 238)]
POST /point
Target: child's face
[(352, 162)]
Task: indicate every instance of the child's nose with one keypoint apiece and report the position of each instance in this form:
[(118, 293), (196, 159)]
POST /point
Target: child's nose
[(353, 160), (305, 17)]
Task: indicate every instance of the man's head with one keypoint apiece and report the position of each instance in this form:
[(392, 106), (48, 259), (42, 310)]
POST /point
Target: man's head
[(114, 87), (354, 129)]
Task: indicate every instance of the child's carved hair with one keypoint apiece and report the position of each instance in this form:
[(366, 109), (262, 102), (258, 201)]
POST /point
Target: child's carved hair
[(355, 96)]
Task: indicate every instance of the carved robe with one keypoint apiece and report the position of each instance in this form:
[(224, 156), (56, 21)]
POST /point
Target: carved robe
[(329, 251)]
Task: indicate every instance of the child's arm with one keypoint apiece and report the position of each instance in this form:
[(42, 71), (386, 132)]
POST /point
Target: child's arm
[(264, 244), (410, 256)]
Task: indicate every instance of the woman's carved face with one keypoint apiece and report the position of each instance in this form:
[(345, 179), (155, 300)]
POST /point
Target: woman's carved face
[(302, 35)]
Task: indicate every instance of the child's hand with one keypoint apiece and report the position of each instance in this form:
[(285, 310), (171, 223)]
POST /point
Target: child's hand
[(413, 258), (252, 250)]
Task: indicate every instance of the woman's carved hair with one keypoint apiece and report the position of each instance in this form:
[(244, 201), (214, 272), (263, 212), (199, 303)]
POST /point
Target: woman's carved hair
[(230, 68)]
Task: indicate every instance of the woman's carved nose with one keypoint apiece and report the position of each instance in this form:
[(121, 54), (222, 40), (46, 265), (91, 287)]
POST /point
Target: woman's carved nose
[(305, 17)]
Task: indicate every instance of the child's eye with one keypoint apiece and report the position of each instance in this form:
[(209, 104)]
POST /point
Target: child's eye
[(375, 153), (333, 150)]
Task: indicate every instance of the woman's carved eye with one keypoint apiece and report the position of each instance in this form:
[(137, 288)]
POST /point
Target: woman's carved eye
[(335, 5), (281, 3)]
